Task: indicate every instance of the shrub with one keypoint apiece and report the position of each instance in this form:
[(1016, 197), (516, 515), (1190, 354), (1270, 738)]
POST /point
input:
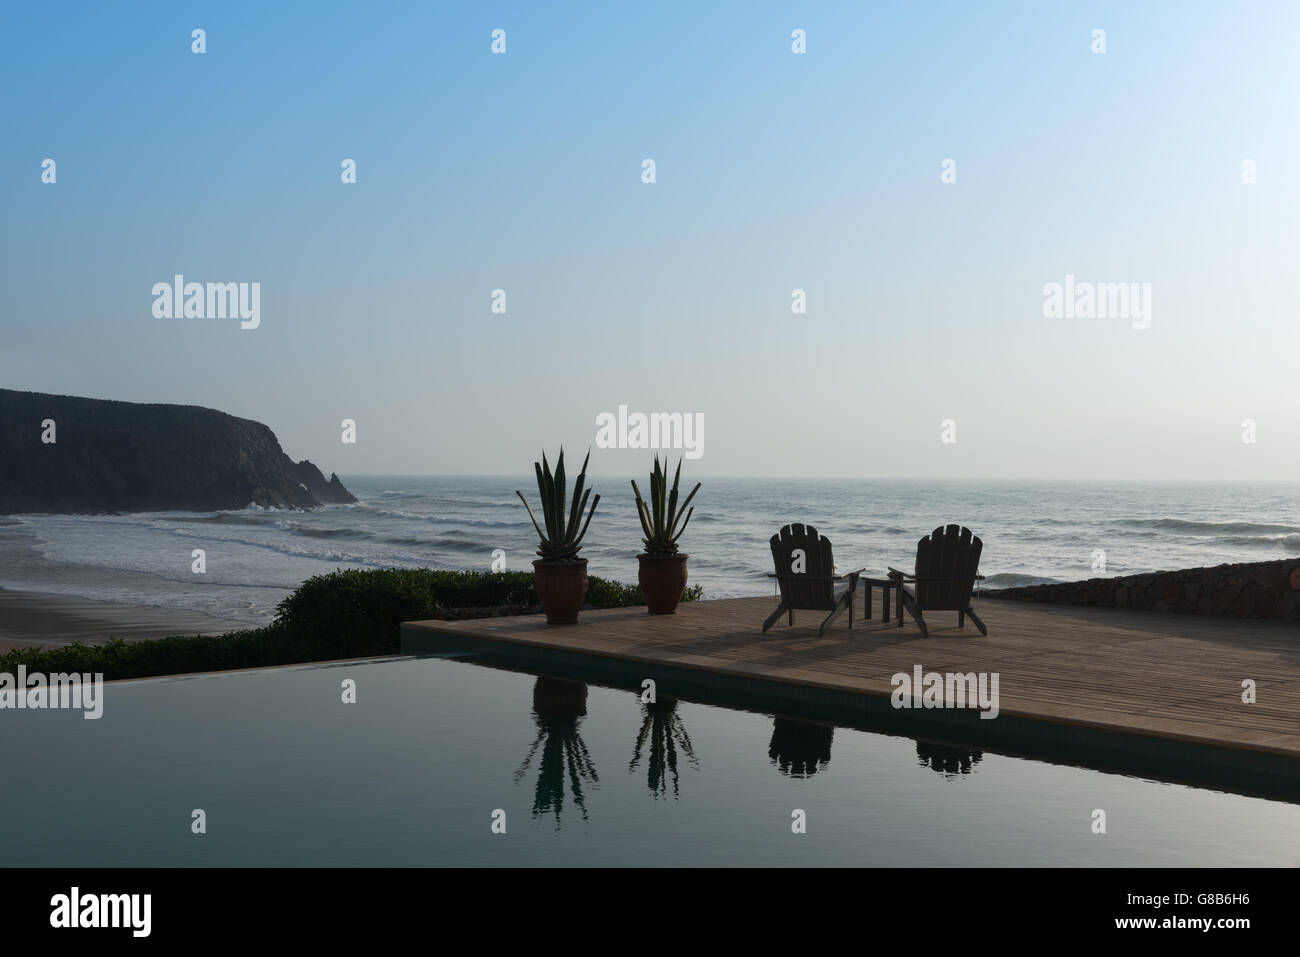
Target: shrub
[(164, 656), (350, 613)]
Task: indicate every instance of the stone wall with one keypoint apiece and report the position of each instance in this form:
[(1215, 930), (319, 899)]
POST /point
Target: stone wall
[(1254, 590)]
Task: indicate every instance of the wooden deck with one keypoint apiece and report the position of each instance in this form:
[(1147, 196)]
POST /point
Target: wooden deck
[(1094, 676)]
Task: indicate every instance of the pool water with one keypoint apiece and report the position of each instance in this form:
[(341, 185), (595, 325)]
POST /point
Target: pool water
[(436, 749)]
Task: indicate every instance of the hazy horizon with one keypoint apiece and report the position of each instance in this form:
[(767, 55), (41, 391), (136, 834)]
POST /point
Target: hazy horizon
[(697, 475), (776, 171)]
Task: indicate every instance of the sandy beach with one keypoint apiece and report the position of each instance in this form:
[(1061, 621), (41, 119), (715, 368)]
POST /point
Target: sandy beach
[(46, 620), (44, 614)]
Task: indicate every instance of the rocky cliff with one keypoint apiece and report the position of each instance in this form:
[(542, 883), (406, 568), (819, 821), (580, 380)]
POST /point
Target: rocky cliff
[(60, 453)]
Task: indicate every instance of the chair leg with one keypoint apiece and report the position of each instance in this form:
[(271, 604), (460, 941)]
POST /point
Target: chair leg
[(771, 619), (904, 599), (839, 607), (976, 618), (961, 619), (920, 622)]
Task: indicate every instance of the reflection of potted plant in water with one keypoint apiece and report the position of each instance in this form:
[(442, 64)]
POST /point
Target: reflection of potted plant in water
[(662, 571), (800, 748), (559, 575), (558, 707), (662, 729), (947, 759)]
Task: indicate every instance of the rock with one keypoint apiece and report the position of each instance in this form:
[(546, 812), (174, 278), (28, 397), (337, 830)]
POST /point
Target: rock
[(327, 493), (133, 457), (1288, 606), (1265, 604)]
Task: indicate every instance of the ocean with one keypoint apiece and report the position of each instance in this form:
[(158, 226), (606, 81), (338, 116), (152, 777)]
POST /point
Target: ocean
[(1032, 532)]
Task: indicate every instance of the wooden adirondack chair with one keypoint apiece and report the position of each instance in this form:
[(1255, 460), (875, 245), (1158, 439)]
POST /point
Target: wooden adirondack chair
[(947, 568), (805, 573)]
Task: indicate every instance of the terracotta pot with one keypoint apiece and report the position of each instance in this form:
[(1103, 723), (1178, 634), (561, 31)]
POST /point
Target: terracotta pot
[(663, 579), (561, 587)]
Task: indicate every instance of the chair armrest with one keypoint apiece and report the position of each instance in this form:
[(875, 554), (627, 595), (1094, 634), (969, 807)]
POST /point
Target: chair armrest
[(895, 573)]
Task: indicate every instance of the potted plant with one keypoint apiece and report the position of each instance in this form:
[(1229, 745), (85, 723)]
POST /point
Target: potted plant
[(559, 575), (663, 571)]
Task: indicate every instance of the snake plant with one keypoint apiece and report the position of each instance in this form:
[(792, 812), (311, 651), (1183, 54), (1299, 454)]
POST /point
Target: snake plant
[(561, 541), (659, 519)]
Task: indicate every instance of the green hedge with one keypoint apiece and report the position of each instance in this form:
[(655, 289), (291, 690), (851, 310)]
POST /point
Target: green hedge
[(116, 658), (345, 614)]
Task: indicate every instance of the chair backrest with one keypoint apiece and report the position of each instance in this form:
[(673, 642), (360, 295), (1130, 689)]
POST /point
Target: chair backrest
[(947, 561), (804, 568)]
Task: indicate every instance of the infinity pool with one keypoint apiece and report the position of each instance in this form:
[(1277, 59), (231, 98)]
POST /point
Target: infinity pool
[(433, 750)]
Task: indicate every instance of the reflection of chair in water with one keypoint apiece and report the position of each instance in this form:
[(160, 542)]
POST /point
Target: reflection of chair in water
[(800, 748), (948, 759), (558, 707), (662, 728)]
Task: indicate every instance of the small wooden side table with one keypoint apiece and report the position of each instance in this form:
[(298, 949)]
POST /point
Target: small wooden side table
[(886, 586)]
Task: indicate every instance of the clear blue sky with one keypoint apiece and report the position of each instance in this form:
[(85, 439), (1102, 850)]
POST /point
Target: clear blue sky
[(775, 171)]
